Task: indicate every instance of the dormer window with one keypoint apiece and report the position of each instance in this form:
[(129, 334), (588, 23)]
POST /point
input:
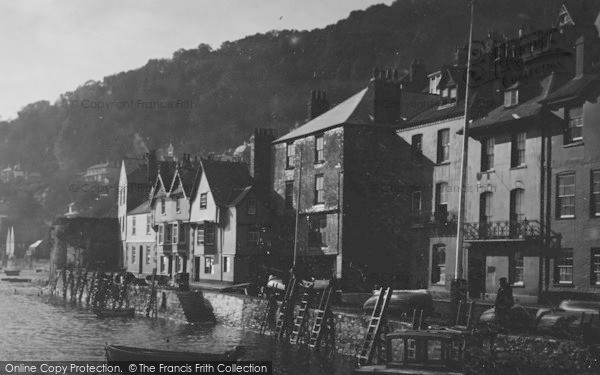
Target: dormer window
[(453, 93), (511, 98), (574, 131)]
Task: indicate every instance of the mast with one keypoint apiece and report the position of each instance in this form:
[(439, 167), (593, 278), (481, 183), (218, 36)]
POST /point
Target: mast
[(458, 265)]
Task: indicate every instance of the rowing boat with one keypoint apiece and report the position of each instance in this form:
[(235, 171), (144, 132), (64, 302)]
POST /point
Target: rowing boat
[(108, 313), (117, 353)]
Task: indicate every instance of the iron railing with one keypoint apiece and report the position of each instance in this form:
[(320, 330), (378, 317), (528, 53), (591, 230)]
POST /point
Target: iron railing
[(503, 230)]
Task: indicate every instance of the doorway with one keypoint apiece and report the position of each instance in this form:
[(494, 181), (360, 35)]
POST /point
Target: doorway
[(141, 266), (477, 273)]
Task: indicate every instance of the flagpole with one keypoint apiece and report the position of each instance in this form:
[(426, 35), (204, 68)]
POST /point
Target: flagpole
[(458, 265), (298, 208)]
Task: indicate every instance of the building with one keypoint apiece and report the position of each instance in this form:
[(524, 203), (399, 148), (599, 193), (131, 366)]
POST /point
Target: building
[(136, 177), (348, 177), (227, 214), (573, 208), (140, 242), (169, 204), (101, 174), (512, 228)]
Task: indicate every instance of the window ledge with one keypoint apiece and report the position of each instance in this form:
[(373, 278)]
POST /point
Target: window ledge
[(518, 286), (571, 285), (517, 167), (573, 144), (319, 162), (289, 168), (447, 162), (489, 171), (566, 218)]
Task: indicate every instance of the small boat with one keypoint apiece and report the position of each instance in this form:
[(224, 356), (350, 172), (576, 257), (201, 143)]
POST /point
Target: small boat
[(275, 283), (116, 353), (404, 301), (12, 272), (16, 280), (109, 313)]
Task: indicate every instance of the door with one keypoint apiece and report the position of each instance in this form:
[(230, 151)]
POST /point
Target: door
[(477, 273), (141, 270), (516, 212), (196, 268)]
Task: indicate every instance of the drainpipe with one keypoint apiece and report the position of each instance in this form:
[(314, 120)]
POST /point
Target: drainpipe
[(543, 228), (548, 204)]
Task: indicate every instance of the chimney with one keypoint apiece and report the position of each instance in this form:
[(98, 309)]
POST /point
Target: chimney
[(260, 160), (318, 104), (417, 74), (387, 96), (151, 167)]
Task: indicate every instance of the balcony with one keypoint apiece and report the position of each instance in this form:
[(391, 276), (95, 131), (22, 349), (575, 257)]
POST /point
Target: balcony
[(503, 231)]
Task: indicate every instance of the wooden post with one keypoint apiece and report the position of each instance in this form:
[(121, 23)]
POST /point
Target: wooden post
[(152, 301)]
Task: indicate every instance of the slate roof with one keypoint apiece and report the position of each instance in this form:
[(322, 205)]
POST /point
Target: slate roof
[(227, 180), (441, 112), (143, 208), (575, 88), (187, 176), (502, 115)]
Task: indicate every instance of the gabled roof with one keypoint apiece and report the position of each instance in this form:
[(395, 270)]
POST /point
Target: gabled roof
[(441, 112), (183, 181), (226, 180), (356, 110), (143, 208), (164, 179)]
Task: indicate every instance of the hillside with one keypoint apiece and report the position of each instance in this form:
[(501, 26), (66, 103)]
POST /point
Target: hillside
[(262, 80)]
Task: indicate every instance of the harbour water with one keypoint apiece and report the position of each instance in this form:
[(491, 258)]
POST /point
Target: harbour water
[(39, 328)]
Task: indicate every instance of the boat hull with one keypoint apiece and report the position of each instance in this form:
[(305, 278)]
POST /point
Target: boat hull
[(115, 353), (404, 301), (16, 280), (12, 272)]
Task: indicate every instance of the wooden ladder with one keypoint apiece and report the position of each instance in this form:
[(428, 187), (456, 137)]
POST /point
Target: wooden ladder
[(321, 316), (300, 319), (287, 304), (372, 337), (269, 312)]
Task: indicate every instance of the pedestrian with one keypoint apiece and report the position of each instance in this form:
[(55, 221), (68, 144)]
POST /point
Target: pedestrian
[(504, 302)]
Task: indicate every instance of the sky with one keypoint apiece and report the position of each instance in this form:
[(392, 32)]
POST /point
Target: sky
[(53, 46)]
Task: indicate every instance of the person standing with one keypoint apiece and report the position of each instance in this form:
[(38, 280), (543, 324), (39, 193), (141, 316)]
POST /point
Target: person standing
[(504, 301)]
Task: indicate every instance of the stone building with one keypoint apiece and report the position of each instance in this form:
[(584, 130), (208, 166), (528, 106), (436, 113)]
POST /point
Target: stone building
[(347, 175)]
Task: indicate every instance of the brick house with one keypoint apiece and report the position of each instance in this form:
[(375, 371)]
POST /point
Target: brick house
[(352, 174)]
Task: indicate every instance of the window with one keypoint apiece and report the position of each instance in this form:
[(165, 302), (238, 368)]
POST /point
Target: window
[(319, 189), (177, 205), (148, 224), (209, 265), (317, 231), (178, 263), (517, 152), (574, 131), (445, 93), (438, 265), (163, 207), (417, 142), (203, 200), (290, 152), (565, 200), (441, 200), (251, 206), (209, 234), (453, 93), (487, 154), (319, 149), (595, 266), (595, 193), (416, 202), (485, 208), (226, 264), (200, 235), (132, 254), (289, 194), (163, 263), (253, 235), (516, 210), (148, 254), (174, 232), (519, 271), (133, 225), (511, 98), (563, 268), (182, 234), (443, 145), (161, 234), (168, 238)]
